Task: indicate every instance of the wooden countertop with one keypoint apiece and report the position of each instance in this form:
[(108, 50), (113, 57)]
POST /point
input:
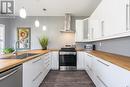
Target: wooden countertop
[(6, 64), (122, 61), (119, 60)]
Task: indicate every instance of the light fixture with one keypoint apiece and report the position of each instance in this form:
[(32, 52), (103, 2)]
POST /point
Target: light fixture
[(44, 28), (37, 23), (22, 13)]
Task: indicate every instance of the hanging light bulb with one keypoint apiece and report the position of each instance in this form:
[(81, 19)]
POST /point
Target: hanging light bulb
[(44, 28), (22, 13), (37, 23)]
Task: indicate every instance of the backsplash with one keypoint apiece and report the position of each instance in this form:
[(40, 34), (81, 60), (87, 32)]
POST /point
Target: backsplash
[(117, 46)]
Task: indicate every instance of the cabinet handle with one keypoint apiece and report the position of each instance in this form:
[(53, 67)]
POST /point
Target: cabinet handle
[(101, 81), (90, 56), (102, 28), (92, 33), (37, 76), (87, 66), (37, 60), (103, 63), (127, 17)]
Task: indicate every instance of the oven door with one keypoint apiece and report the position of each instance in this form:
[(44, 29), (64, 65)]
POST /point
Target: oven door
[(67, 62)]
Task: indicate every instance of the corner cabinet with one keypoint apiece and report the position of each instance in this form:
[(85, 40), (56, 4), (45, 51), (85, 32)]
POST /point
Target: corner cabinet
[(82, 30), (80, 60), (55, 60)]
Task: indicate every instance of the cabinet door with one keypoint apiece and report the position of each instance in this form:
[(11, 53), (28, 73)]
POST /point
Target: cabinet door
[(27, 75), (31, 70), (80, 61), (119, 77), (115, 12), (88, 61), (101, 69), (79, 31), (97, 29), (96, 22), (110, 75), (86, 29), (55, 60)]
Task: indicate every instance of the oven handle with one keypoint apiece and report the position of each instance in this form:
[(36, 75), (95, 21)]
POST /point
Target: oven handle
[(62, 53)]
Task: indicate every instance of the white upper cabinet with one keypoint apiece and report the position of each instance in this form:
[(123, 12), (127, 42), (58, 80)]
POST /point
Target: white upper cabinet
[(79, 30), (95, 31), (111, 19), (115, 13), (82, 30), (86, 29)]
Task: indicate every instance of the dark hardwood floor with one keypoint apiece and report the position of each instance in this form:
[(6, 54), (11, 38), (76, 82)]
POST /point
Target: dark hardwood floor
[(67, 79)]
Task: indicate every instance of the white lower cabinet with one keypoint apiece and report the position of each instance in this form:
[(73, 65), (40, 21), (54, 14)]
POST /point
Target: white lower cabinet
[(80, 60), (106, 74), (119, 76), (35, 70), (88, 62), (54, 60)]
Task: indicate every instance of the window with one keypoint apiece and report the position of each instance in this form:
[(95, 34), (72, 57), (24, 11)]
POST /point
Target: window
[(2, 36)]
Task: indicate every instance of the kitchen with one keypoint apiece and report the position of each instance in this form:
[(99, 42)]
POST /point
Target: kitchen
[(86, 43)]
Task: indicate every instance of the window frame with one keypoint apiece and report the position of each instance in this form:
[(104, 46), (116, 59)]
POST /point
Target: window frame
[(3, 26)]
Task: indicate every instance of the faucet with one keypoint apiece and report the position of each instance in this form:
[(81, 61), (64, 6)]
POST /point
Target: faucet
[(16, 49)]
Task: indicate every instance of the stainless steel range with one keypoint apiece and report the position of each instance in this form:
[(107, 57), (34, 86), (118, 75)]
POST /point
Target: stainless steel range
[(67, 59)]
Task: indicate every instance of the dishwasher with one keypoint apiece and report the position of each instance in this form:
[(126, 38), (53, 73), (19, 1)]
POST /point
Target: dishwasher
[(11, 77)]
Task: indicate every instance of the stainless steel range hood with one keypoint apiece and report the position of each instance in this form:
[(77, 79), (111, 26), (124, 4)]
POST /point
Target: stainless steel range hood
[(67, 24)]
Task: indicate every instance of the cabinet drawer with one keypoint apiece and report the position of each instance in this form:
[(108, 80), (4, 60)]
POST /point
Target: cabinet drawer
[(119, 77), (37, 80)]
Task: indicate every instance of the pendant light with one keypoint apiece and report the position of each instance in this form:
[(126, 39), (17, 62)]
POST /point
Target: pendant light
[(44, 28), (22, 13), (37, 23)]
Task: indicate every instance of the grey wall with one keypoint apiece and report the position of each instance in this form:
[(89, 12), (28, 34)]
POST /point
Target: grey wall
[(118, 46), (54, 25)]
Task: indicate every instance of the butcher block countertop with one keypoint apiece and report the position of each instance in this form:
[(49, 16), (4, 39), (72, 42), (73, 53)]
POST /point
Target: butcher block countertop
[(6, 62), (119, 60)]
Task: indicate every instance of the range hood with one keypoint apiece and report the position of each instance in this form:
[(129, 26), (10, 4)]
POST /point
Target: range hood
[(67, 24)]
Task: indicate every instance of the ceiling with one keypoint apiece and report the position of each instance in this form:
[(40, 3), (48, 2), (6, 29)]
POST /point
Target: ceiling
[(57, 7)]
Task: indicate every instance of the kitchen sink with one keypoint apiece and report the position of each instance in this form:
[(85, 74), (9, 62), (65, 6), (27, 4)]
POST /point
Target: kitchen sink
[(21, 56), (25, 55)]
